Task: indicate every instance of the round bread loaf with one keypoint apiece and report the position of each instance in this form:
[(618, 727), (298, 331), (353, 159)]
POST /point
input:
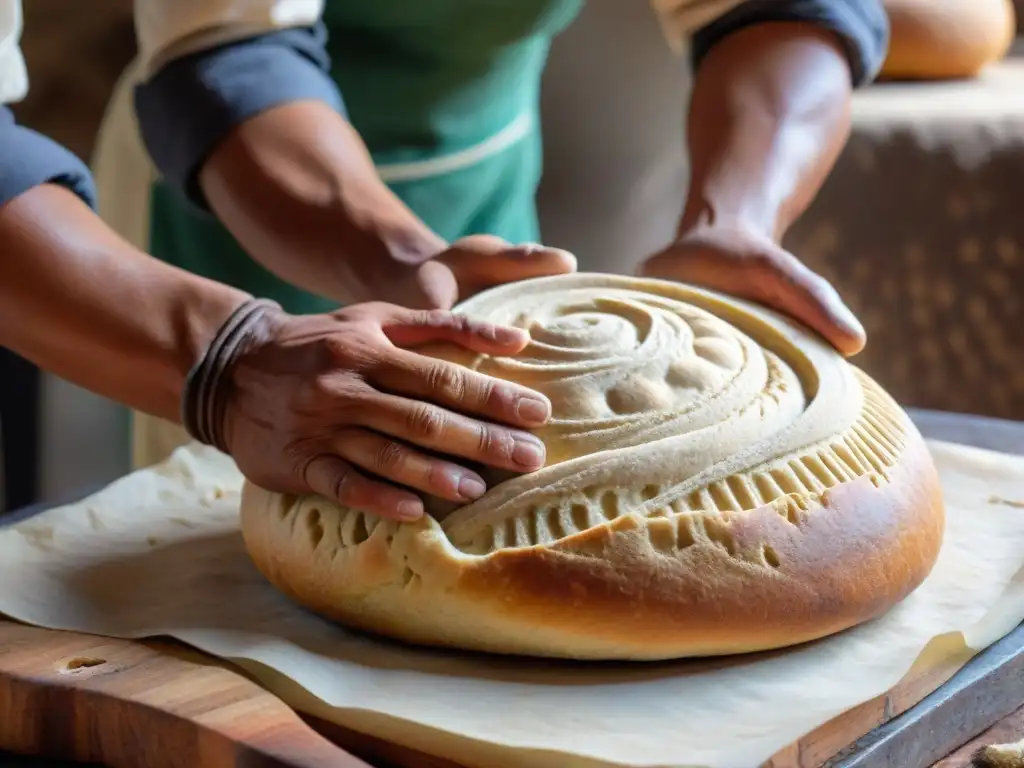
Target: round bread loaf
[(718, 480), (944, 39)]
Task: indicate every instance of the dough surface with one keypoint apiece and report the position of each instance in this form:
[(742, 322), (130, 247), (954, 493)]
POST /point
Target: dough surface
[(718, 480)]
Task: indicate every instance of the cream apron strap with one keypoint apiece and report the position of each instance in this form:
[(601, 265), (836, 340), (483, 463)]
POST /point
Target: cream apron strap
[(680, 18), (124, 177), (124, 173)]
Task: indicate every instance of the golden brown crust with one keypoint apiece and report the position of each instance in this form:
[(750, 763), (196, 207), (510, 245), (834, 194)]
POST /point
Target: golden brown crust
[(768, 578), (932, 40), (829, 518), (862, 551)]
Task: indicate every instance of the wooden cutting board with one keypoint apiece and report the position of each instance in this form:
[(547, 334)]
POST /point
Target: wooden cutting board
[(128, 704)]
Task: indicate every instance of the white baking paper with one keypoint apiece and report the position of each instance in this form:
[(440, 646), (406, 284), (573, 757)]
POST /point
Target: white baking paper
[(159, 553)]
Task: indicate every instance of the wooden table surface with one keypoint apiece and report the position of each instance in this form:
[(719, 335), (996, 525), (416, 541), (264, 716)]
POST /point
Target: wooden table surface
[(985, 696)]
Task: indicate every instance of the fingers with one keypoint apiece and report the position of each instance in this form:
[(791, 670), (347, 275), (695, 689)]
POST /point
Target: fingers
[(402, 464), (811, 299), (455, 386), (436, 429), (408, 328), (785, 284), (461, 389), (340, 482), (481, 261), (398, 467), (778, 280)]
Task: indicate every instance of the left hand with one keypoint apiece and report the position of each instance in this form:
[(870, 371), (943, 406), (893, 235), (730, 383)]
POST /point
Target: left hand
[(752, 266)]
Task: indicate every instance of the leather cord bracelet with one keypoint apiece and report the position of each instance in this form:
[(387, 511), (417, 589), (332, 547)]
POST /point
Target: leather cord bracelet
[(204, 396)]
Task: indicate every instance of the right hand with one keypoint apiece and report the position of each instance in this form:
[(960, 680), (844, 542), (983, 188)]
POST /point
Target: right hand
[(319, 403), (750, 265)]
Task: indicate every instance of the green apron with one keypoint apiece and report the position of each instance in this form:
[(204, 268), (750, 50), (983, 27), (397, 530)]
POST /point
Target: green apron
[(427, 83)]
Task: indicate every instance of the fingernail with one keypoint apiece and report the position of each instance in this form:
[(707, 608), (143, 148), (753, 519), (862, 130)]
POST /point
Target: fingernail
[(523, 250), (528, 453), (852, 321), (532, 410), (410, 510), (503, 334), (471, 487)]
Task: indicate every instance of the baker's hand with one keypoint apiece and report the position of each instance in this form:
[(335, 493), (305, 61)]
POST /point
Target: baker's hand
[(753, 267), (338, 405), (479, 262), (470, 265)]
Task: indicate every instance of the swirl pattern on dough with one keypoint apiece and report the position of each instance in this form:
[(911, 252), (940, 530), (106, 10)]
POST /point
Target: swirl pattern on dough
[(706, 458), (667, 399)]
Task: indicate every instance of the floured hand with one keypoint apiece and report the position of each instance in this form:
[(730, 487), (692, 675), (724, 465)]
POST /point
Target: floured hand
[(753, 267)]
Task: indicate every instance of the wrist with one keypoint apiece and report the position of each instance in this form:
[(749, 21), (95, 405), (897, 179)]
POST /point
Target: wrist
[(377, 230), (209, 387), (769, 114), (201, 310), (755, 220), (198, 309), (297, 188)]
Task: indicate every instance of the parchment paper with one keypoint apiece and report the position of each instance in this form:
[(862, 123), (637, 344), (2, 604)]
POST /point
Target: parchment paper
[(159, 553)]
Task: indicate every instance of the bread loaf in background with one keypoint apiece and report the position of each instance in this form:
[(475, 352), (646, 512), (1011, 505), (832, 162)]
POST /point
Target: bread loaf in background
[(718, 481), (946, 39)]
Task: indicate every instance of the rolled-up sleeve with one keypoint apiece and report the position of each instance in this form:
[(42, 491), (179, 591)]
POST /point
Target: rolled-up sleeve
[(211, 65), (28, 158), (862, 26)]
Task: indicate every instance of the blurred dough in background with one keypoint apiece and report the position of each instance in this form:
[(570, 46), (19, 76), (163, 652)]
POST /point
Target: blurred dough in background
[(944, 39)]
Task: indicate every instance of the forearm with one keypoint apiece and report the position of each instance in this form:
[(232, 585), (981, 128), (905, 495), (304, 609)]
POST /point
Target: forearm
[(82, 303), (297, 188), (770, 113), (255, 131)]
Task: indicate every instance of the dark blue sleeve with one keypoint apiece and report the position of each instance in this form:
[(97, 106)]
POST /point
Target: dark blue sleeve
[(861, 25), (28, 159), (187, 107)]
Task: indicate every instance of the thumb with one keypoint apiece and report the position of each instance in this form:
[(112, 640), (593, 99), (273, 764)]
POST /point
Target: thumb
[(483, 261), (814, 301), (412, 327)]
